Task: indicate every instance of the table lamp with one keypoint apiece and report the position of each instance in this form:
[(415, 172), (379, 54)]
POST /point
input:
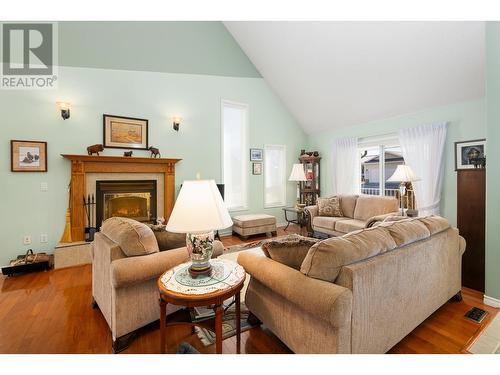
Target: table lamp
[(298, 176), (402, 174), (198, 211)]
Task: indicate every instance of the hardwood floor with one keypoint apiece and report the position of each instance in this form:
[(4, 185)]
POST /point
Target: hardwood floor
[(50, 312)]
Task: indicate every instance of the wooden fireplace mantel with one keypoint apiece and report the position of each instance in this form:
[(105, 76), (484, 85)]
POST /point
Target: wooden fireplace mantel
[(83, 164)]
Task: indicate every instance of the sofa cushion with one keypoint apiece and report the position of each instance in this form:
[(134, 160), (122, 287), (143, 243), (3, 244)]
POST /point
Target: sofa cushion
[(326, 222), (348, 204), (325, 259), (329, 207), (371, 205), (435, 224), (349, 225), (253, 220), (290, 250), (133, 237), (407, 231)]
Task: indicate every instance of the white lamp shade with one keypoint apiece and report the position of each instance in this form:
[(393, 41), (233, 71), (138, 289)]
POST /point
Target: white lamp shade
[(403, 173), (199, 208), (297, 173)]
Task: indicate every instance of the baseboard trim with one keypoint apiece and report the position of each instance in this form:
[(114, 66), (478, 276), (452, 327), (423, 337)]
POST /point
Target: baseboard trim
[(490, 301)]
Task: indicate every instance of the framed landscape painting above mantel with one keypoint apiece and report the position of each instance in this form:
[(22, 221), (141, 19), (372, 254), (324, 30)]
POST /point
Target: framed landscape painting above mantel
[(125, 132), (28, 156)]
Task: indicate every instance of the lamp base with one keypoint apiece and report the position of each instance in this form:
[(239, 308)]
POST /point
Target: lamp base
[(195, 272)]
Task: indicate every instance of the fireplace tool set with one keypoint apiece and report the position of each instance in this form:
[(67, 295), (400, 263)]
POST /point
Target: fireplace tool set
[(89, 205)]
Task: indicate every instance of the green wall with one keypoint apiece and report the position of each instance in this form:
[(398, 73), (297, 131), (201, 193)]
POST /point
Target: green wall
[(33, 115), (173, 47), (493, 168), (466, 121)]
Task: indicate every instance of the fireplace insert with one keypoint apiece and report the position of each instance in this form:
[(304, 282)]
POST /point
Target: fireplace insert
[(134, 199)]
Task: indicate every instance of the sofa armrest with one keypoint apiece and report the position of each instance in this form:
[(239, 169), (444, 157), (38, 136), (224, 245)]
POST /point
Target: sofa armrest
[(310, 212), (327, 301), (218, 249), (133, 270), (462, 245)]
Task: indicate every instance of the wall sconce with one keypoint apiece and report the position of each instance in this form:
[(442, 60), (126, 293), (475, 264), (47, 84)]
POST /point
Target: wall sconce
[(64, 107), (177, 122)]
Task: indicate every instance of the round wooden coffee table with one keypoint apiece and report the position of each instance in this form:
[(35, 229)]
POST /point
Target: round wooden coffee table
[(177, 287)]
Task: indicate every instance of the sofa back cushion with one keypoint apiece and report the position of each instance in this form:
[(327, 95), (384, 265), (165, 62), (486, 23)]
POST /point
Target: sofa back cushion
[(133, 237), (347, 204), (371, 205), (325, 259)]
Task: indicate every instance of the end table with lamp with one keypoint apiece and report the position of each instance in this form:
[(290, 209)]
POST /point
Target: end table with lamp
[(403, 174), (198, 211), (178, 287)]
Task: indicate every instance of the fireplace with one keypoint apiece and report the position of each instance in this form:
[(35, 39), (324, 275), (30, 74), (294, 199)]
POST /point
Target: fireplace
[(133, 199)]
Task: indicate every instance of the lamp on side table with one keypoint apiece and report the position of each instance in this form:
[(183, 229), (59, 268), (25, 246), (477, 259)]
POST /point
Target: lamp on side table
[(403, 174), (198, 211)]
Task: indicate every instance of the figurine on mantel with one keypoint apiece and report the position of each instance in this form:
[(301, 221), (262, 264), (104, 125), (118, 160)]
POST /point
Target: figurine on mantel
[(128, 153), (95, 149), (154, 152)]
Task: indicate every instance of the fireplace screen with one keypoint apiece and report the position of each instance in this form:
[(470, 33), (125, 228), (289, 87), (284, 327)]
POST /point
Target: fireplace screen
[(132, 199), (132, 205)]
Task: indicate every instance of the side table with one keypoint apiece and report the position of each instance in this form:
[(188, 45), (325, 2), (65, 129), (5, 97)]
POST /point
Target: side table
[(299, 220), (177, 287)]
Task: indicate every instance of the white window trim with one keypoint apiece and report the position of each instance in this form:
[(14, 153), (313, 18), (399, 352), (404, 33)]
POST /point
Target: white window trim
[(276, 205), (245, 148)]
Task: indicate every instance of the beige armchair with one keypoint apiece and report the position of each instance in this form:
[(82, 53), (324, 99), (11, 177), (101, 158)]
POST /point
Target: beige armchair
[(126, 264)]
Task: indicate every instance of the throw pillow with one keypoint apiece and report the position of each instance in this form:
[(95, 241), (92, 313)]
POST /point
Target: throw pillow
[(329, 207), (290, 250)]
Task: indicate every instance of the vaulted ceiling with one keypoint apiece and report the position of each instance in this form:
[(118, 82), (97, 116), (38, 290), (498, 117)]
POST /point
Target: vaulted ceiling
[(336, 74)]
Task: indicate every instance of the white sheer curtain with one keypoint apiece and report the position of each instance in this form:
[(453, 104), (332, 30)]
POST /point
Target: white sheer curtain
[(423, 151), (346, 166)]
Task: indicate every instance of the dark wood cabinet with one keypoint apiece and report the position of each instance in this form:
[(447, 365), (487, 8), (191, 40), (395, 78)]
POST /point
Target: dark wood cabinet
[(471, 221), (309, 190)]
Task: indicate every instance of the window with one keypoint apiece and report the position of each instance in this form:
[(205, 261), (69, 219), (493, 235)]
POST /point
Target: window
[(234, 118), (376, 152), (274, 175)]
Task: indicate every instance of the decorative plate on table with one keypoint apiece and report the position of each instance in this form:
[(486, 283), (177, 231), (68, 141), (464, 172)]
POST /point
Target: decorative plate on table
[(225, 274)]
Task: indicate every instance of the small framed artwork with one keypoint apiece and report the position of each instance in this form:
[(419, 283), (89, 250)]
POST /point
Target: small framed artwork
[(256, 168), (28, 156), (470, 154), (256, 154), (125, 132)]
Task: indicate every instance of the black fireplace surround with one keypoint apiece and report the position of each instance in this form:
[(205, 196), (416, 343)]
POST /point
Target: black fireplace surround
[(135, 199)]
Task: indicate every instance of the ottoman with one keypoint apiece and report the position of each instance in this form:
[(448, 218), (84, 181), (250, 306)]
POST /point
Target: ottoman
[(247, 225)]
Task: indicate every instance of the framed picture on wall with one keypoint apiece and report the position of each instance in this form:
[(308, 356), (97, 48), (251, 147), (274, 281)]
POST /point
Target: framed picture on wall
[(256, 154), (28, 156), (256, 168), (125, 132), (470, 154)]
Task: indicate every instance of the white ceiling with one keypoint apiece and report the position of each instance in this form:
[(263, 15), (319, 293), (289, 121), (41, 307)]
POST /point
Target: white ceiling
[(336, 74)]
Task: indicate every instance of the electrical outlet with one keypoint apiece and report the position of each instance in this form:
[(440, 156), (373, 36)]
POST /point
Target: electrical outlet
[(27, 239), (44, 186), (44, 238)]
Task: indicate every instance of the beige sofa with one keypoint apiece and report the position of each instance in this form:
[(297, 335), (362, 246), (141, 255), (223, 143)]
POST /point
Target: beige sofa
[(126, 264), (357, 210), (359, 293)]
